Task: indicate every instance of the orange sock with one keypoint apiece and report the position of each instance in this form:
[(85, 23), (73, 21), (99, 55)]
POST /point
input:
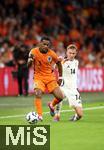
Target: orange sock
[(55, 101), (38, 105)]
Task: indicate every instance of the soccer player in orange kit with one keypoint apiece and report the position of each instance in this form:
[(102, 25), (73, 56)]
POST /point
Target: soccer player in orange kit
[(42, 57)]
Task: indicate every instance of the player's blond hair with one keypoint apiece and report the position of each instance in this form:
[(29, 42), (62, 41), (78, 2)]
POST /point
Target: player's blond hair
[(72, 46)]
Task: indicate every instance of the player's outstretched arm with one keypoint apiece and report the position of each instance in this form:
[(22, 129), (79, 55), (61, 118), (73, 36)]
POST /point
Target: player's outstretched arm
[(59, 65), (30, 60)]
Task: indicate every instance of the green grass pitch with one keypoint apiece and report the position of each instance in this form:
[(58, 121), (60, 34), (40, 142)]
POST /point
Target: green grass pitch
[(85, 134)]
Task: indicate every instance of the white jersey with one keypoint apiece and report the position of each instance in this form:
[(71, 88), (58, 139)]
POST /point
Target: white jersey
[(69, 85), (70, 70)]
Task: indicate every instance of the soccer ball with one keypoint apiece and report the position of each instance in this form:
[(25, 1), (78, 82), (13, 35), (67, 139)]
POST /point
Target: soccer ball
[(32, 117)]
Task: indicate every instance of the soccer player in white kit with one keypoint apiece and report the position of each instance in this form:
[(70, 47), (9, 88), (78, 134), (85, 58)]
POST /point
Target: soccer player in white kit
[(69, 84)]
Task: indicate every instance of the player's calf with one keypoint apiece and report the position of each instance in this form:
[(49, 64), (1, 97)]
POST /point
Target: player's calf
[(38, 103), (59, 95), (58, 98), (79, 111), (78, 115)]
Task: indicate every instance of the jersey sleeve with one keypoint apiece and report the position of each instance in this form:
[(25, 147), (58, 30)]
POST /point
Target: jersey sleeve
[(55, 57), (77, 64), (32, 52)]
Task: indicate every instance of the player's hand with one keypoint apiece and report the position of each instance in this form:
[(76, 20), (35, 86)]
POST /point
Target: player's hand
[(30, 60), (60, 58), (59, 82), (31, 56)]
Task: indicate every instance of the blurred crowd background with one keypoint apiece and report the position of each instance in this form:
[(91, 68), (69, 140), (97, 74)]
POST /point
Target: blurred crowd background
[(24, 22)]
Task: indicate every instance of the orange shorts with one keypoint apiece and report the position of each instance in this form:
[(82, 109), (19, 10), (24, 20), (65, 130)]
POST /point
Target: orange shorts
[(39, 84)]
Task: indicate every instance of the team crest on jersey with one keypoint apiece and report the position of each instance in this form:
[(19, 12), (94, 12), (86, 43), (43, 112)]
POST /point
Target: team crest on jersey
[(49, 58)]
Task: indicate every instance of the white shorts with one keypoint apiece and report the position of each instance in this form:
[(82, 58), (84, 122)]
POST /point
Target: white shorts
[(72, 96)]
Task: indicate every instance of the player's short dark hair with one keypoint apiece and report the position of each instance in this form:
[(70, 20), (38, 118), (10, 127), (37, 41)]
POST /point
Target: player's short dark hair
[(45, 38)]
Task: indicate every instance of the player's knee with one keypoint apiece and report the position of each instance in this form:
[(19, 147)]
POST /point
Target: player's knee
[(62, 96), (58, 94), (38, 93)]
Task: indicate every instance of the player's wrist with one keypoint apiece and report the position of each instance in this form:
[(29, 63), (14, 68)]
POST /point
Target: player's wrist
[(30, 59), (60, 77)]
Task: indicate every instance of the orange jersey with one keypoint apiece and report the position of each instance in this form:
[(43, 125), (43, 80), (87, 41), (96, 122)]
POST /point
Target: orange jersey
[(43, 64)]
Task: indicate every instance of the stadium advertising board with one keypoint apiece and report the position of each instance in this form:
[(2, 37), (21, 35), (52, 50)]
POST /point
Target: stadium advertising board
[(89, 80)]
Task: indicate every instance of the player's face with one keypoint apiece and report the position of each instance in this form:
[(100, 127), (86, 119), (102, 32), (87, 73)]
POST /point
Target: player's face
[(44, 46), (71, 53)]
